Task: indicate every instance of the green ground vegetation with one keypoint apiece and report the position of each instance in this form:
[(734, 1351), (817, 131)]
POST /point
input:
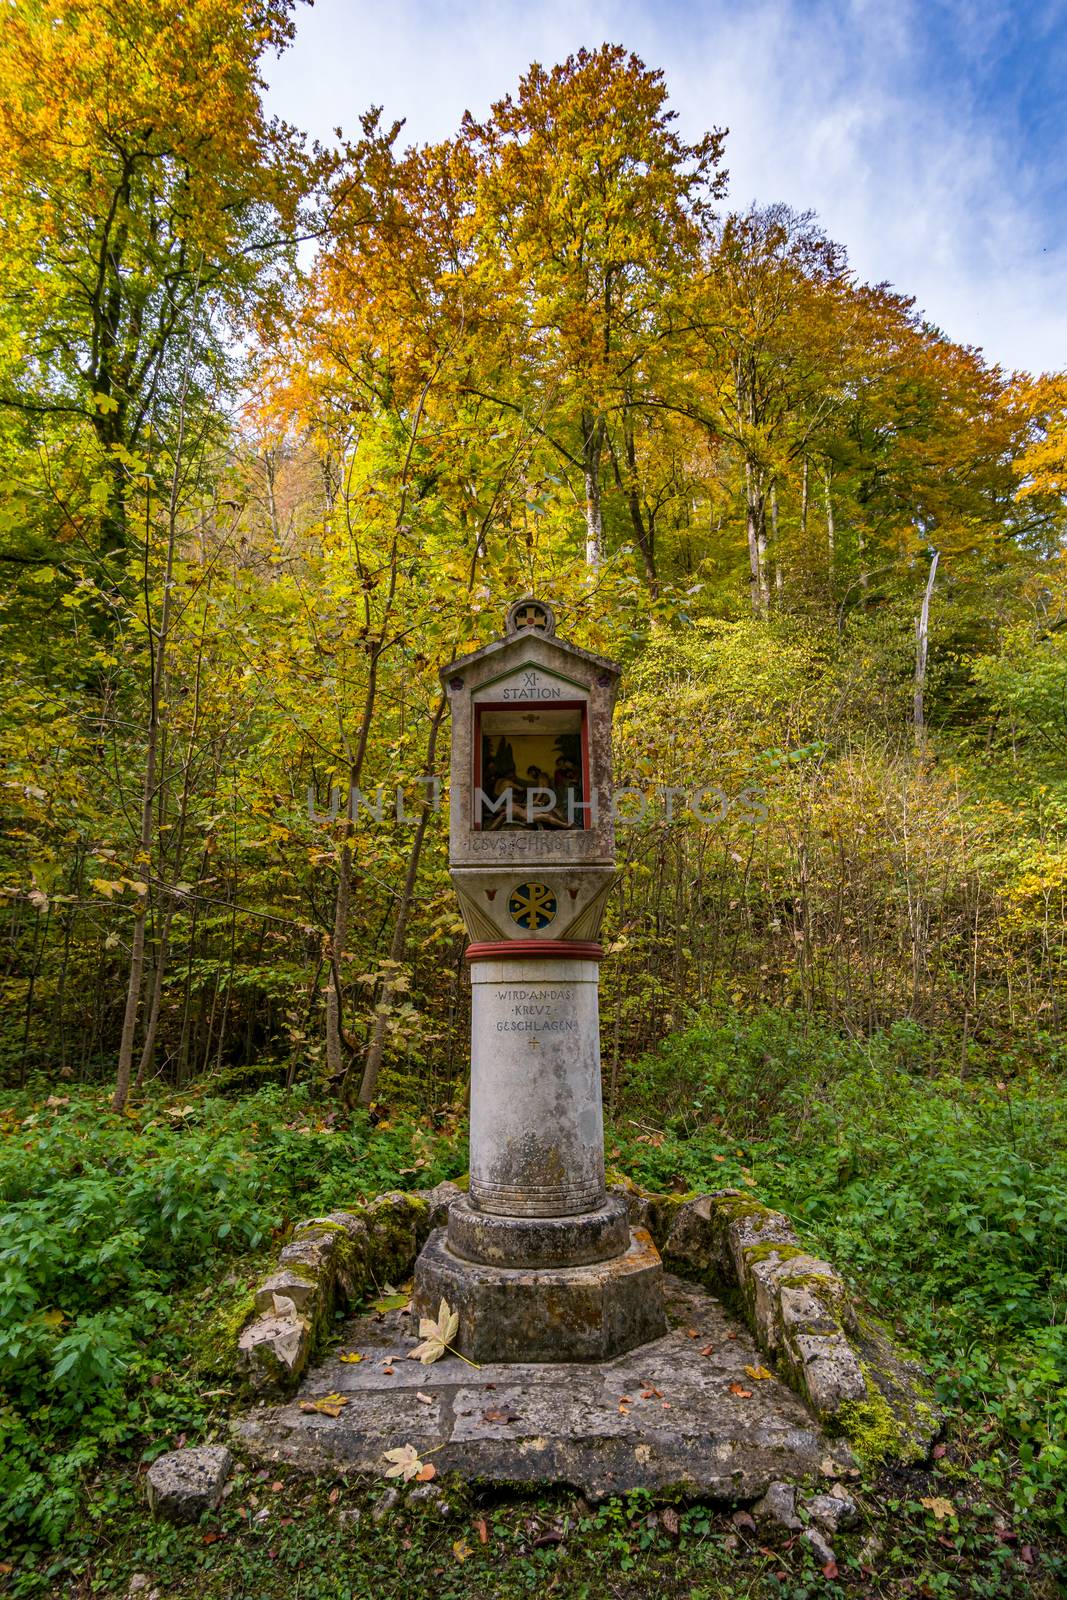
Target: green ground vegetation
[(128, 1245)]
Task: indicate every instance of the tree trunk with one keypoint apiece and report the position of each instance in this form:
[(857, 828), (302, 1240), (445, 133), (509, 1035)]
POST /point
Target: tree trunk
[(397, 943), (829, 519), (779, 581), (756, 528), (645, 533), (152, 1029), (922, 645), (592, 448), (335, 1064)]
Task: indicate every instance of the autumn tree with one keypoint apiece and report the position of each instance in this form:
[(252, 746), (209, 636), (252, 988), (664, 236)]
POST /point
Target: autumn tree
[(145, 195), (588, 204)]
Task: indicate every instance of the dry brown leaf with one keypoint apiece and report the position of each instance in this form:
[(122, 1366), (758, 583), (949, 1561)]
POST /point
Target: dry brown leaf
[(424, 1399), (426, 1472), (940, 1507), (330, 1405), (481, 1528), (436, 1336), (499, 1414), (745, 1394), (708, 1350)]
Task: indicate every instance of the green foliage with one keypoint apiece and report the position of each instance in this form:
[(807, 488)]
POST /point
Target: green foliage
[(942, 1196), (104, 1220)]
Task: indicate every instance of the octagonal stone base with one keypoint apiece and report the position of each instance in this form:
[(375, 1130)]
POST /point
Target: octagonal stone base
[(586, 1313)]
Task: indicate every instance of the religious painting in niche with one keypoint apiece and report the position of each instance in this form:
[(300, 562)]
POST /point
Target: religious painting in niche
[(531, 768)]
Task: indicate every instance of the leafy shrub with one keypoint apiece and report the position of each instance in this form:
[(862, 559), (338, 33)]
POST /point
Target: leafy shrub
[(945, 1198), (104, 1220)]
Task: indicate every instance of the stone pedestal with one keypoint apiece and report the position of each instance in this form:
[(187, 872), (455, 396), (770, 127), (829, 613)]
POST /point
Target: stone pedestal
[(539, 1262), (587, 1313)]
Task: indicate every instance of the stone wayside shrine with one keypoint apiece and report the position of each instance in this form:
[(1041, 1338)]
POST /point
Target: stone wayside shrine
[(539, 1261), (747, 1373)]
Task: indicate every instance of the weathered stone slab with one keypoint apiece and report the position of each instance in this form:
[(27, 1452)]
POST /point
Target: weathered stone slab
[(183, 1484), (663, 1417), (288, 1284)]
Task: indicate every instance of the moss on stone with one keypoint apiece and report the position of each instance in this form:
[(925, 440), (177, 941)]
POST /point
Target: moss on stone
[(879, 1433), (215, 1343), (784, 1252)]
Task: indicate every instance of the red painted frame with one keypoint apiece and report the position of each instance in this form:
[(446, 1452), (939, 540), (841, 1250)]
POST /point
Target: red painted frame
[(514, 705)]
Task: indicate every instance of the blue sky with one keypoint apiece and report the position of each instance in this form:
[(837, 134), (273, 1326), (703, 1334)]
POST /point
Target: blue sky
[(929, 135)]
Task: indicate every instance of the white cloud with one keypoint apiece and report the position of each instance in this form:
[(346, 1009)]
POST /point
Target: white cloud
[(824, 108)]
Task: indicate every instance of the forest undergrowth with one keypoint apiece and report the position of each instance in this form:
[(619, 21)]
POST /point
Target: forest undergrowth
[(125, 1241)]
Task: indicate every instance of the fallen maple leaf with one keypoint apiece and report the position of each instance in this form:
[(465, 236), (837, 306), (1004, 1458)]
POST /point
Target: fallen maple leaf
[(351, 1355), (405, 1463), (436, 1336), (461, 1549), (746, 1394), (759, 1372), (651, 1394), (940, 1507), (389, 1302)]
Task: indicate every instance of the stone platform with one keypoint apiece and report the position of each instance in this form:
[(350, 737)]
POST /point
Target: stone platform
[(678, 1414)]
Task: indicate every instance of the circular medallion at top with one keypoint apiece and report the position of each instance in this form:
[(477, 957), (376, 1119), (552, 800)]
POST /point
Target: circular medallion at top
[(530, 615), (532, 906)]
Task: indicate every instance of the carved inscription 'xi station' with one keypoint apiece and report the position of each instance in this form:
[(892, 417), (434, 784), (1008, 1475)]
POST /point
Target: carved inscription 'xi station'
[(532, 686)]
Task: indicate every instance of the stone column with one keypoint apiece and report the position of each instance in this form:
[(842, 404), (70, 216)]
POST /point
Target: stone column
[(537, 1127)]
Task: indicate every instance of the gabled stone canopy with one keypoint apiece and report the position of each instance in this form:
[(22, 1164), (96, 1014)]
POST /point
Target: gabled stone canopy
[(530, 667)]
